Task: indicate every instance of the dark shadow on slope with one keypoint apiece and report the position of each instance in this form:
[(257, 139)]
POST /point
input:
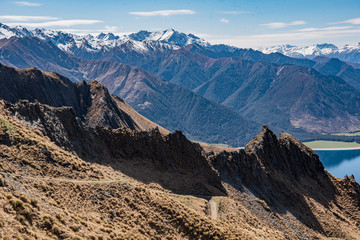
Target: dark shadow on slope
[(171, 161)]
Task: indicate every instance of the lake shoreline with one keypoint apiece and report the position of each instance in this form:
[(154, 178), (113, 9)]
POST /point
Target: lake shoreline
[(335, 149)]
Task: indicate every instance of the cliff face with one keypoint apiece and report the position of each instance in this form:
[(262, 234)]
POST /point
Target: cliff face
[(289, 180), (91, 102), (60, 124), (149, 156)]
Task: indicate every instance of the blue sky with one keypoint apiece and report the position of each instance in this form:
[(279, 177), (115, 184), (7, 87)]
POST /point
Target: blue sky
[(242, 23)]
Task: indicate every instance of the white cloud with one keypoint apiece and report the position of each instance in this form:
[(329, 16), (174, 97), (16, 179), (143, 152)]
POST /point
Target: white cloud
[(282, 24), (355, 21), (163, 13), (92, 31), (224, 20), (323, 29), (234, 12), (111, 28), (63, 23), (28, 4), (26, 18)]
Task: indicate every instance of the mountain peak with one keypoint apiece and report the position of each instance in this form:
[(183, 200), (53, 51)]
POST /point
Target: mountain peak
[(140, 36), (107, 36), (167, 34), (326, 45)]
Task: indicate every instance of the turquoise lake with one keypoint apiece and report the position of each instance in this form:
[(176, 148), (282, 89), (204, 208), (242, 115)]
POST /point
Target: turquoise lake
[(341, 162)]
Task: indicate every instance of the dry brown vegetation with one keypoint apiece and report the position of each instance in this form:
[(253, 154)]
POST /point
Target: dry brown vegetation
[(47, 192)]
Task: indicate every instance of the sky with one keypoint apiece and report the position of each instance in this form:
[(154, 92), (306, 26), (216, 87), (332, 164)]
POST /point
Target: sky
[(241, 23)]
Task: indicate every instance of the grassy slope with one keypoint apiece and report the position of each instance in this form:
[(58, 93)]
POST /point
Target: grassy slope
[(49, 193), (347, 134), (331, 144)]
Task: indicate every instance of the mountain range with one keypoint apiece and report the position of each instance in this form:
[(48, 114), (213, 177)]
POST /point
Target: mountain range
[(182, 82), (348, 53), (89, 46), (171, 106)]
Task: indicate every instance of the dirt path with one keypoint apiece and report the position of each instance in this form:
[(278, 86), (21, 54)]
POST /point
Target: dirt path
[(8, 176), (213, 209)]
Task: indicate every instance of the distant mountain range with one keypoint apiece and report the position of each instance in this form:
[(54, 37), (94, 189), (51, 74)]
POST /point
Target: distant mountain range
[(167, 104), (213, 93), (350, 53), (89, 46)]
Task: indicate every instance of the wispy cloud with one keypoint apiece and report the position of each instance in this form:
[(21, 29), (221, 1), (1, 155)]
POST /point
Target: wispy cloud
[(164, 13), (324, 29), (355, 21), (224, 20), (26, 18), (282, 24), (28, 4), (110, 29), (92, 31), (62, 23), (235, 12), (291, 37)]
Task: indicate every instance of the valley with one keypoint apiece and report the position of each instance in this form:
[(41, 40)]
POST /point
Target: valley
[(173, 68)]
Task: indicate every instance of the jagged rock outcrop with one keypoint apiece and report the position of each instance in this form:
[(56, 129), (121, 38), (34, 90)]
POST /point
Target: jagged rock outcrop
[(149, 156), (47, 192), (91, 102), (290, 178), (279, 182), (60, 124)]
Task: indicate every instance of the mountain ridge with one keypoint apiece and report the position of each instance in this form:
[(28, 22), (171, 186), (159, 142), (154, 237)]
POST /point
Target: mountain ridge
[(91, 101), (141, 41), (246, 183), (111, 74), (349, 52)]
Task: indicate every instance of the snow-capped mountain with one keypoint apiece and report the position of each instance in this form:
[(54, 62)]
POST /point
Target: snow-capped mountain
[(141, 42), (8, 32), (350, 53), (168, 36)]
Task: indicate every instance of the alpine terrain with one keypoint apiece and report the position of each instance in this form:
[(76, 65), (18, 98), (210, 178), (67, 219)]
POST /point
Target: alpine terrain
[(182, 82)]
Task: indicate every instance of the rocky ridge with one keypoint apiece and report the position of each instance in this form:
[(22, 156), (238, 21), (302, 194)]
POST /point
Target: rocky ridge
[(91, 102), (275, 188), (65, 177), (290, 179)]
